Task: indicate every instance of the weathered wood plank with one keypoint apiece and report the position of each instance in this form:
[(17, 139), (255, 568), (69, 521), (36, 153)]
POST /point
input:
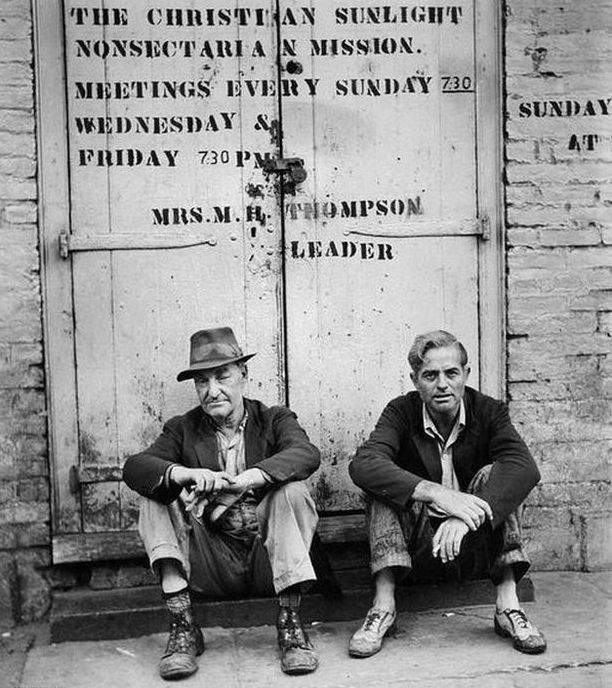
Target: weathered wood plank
[(126, 544)]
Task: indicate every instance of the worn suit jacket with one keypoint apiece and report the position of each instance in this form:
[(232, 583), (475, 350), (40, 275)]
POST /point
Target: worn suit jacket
[(274, 442), (398, 454)]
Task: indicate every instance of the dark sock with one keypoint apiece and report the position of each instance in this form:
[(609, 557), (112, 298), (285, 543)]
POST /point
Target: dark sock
[(179, 603), (290, 597)]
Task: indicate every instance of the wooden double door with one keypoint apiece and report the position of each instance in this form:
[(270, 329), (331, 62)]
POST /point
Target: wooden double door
[(321, 177)]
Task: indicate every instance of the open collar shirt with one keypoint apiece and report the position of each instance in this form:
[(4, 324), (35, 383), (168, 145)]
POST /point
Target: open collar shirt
[(445, 450)]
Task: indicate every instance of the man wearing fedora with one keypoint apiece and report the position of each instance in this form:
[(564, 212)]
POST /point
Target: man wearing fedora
[(225, 510), (445, 472)]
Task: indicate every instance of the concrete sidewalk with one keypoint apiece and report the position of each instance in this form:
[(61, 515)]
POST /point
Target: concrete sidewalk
[(443, 649)]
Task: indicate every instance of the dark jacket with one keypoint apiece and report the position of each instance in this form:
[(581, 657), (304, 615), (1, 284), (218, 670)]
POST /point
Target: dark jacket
[(274, 442), (398, 454)]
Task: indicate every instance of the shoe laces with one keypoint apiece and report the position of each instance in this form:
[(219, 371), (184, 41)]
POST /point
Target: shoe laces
[(294, 634), (518, 618), (373, 618), (181, 636)]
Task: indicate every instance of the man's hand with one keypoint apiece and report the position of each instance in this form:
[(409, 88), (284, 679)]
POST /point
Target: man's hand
[(448, 538), (201, 481), (251, 479), (472, 510)]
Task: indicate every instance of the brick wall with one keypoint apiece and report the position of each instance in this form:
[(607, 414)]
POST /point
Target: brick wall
[(24, 484), (559, 258), (559, 198)]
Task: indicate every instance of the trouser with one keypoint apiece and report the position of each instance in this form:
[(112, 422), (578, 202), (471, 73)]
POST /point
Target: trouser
[(266, 556), (404, 540)]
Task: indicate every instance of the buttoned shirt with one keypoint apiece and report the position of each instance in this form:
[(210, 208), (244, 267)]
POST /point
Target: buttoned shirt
[(445, 449), (231, 451)]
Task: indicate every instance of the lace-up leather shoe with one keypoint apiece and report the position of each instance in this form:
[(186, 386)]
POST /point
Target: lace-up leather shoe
[(185, 643), (368, 640), (298, 655), (513, 623)]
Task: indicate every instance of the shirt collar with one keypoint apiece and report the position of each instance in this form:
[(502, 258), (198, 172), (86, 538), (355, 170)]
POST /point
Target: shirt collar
[(430, 427)]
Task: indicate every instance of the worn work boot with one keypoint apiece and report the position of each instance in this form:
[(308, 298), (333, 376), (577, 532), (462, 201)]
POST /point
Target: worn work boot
[(368, 640), (513, 623), (298, 655), (185, 643)]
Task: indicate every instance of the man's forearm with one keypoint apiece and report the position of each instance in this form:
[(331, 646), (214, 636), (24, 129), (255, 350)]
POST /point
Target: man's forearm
[(427, 491)]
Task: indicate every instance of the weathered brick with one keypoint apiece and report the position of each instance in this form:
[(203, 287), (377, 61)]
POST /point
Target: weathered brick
[(588, 236), (589, 257), (35, 591), (548, 324), (18, 167), (551, 538), (16, 189), (17, 8), (15, 50), (584, 461), (24, 535), (24, 512), (22, 412), (605, 323), (15, 74), (530, 257), (16, 122), (597, 299), (9, 590), (597, 535), (15, 28), (595, 495), (21, 213), (16, 144), (32, 490)]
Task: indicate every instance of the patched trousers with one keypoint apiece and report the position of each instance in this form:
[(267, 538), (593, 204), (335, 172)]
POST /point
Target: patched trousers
[(261, 547), (404, 540)]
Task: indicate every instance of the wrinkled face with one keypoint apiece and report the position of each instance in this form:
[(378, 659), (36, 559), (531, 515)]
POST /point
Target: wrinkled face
[(220, 391), (441, 381)]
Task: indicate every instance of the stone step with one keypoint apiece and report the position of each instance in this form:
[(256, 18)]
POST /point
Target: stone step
[(131, 612)]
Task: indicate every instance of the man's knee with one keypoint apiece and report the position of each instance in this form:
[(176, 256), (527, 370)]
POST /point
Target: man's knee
[(295, 493), (480, 479)]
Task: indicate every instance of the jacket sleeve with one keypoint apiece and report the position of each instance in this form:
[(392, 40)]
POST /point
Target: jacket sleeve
[(513, 471), (294, 457), (146, 472), (374, 468)]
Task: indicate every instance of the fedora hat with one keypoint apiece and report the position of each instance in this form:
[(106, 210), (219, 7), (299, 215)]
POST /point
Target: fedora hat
[(212, 349)]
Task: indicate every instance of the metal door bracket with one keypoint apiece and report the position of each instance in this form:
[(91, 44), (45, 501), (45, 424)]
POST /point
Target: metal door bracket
[(292, 167), (485, 227)]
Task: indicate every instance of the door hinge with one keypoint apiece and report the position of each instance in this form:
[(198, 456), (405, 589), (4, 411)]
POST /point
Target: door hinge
[(86, 474), (64, 244), (484, 226)]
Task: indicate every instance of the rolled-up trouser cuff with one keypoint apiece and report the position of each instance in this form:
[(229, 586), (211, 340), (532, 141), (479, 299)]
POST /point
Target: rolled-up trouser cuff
[(399, 538)]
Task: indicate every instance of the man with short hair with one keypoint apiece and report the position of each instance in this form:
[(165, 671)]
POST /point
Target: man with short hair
[(445, 472), (225, 510)]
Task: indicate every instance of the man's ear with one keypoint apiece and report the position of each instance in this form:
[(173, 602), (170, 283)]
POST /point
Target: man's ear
[(468, 370), (413, 377)]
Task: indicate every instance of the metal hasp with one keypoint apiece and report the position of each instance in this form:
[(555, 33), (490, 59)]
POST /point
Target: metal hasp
[(293, 168)]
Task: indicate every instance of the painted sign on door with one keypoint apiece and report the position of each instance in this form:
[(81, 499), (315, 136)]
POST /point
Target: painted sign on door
[(307, 172)]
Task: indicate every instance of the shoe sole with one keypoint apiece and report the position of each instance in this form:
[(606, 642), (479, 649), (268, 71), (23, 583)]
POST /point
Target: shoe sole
[(298, 671)]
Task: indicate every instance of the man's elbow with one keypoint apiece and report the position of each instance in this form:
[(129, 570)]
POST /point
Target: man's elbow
[(128, 471), (536, 476), (354, 470)]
